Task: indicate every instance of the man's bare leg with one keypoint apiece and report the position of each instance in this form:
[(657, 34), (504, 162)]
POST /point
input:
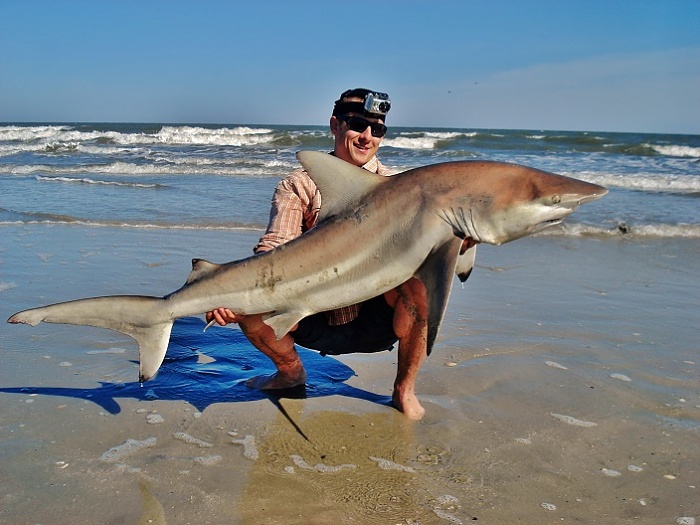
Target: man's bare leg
[(290, 370), (410, 303)]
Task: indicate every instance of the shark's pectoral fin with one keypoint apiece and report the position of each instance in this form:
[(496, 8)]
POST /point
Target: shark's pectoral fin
[(436, 274), (281, 323), (465, 263), (153, 343)]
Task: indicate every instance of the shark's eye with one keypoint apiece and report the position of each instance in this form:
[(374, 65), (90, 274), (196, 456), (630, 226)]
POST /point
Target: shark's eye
[(556, 199)]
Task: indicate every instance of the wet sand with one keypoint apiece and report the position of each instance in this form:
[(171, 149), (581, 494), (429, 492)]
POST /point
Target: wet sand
[(563, 388)]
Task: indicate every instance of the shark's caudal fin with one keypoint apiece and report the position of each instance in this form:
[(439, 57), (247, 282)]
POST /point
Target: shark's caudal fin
[(136, 316)]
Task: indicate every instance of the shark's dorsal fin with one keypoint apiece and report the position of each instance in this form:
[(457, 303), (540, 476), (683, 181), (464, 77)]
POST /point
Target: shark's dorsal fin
[(342, 185), (201, 268)]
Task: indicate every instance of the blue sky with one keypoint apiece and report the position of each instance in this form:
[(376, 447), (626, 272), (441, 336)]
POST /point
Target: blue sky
[(612, 65)]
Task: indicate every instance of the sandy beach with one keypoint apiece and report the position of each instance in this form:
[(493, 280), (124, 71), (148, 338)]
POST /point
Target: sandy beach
[(563, 389)]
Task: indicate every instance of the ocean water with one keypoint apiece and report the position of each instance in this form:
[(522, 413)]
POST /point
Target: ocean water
[(222, 176), (562, 388)]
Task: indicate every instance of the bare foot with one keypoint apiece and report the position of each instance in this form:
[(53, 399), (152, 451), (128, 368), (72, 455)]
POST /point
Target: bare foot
[(276, 381), (409, 405)]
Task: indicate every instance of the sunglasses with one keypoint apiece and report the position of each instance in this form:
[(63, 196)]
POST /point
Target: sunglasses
[(360, 124)]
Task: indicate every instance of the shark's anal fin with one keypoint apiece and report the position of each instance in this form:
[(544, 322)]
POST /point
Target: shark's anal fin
[(436, 274), (283, 322)]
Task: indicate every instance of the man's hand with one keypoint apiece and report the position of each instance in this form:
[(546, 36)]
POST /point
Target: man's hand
[(223, 316)]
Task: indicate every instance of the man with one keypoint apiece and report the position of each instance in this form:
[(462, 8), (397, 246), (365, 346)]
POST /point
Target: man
[(357, 125)]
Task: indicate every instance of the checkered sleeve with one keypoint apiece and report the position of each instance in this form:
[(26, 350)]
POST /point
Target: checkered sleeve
[(294, 210)]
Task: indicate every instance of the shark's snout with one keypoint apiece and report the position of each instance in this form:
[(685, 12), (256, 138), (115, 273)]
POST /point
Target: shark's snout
[(600, 192), (563, 205), (573, 200)]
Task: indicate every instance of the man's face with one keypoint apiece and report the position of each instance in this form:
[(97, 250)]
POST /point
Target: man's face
[(352, 146)]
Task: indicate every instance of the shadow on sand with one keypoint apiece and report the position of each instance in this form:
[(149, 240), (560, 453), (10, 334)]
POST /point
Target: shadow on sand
[(206, 369)]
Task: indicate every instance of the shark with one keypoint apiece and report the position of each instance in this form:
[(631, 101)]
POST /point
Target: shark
[(373, 234)]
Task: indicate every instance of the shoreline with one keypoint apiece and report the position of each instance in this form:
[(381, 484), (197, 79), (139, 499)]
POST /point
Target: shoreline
[(563, 386)]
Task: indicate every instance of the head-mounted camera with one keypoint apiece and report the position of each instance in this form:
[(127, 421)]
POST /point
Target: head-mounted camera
[(377, 104), (373, 105)]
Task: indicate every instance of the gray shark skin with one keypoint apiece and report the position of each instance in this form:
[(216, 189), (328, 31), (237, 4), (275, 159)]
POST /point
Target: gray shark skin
[(374, 233)]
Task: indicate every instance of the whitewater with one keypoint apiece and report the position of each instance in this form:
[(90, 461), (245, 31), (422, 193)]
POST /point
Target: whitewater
[(222, 176)]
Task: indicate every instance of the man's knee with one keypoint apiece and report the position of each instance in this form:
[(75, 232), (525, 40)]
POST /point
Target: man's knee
[(410, 303), (412, 292), (253, 324), (255, 329), (414, 297)]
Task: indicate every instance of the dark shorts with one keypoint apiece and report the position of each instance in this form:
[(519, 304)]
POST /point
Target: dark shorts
[(371, 331)]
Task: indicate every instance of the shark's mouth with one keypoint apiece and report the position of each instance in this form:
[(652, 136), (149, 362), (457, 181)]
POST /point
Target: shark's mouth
[(546, 224), (552, 222)]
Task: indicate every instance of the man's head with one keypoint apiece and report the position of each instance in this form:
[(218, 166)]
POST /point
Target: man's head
[(358, 124)]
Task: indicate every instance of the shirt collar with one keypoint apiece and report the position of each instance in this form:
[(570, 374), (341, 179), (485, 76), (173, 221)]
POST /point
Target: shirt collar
[(372, 165)]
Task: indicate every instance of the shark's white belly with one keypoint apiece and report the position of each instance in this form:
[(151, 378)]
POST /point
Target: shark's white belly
[(344, 270)]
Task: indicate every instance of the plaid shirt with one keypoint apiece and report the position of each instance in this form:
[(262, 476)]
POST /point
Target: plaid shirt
[(295, 206)]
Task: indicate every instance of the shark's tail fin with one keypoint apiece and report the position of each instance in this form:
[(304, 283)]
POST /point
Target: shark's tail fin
[(140, 317)]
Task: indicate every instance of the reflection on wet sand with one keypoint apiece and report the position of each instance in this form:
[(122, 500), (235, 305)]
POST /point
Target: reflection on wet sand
[(352, 469)]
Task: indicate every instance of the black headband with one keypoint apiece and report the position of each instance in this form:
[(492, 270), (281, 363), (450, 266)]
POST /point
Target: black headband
[(342, 108)]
